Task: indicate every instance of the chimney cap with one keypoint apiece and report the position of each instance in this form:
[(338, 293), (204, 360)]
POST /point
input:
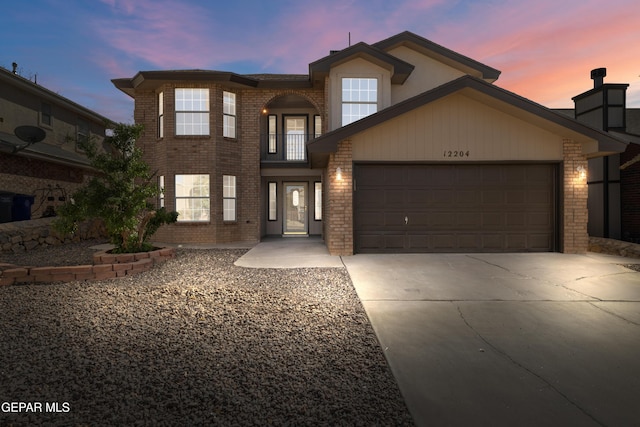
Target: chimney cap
[(598, 75), (598, 72)]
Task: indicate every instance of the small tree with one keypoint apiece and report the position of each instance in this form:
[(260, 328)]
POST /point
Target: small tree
[(119, 195)]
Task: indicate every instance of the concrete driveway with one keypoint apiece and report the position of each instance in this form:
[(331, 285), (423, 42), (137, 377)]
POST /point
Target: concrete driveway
[(508, 339)]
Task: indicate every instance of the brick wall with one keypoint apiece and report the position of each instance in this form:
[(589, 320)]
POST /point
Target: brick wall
[(630, 195), (575, 238), (339, 202), (213, 155), (40, 179)]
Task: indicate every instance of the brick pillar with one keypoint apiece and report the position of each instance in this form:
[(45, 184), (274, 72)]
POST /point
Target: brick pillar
[(575, 214), (339, 218)]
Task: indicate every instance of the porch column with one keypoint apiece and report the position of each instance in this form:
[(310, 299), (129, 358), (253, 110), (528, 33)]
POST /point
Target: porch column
[(575, 214), (339, 221)]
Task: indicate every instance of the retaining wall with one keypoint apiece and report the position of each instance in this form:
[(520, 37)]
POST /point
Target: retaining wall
[(105, 266)]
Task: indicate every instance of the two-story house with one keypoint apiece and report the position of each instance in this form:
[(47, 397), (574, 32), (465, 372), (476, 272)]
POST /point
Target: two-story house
[(51, 169), (397, 146)]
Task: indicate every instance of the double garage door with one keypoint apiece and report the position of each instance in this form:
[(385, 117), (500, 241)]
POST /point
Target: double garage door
[(455, 208)]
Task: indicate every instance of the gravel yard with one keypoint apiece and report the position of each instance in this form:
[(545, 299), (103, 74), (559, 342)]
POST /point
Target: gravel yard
[(194, 341)]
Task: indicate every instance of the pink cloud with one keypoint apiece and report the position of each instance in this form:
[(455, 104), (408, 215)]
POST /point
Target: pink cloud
[(546, 51)]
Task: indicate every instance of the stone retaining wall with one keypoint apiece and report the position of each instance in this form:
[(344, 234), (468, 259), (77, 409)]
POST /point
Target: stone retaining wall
[(614, 247), (20, 236), (105, 266)]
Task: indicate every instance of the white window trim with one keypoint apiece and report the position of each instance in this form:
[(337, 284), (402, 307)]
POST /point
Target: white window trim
[(229, 198), (229, 118), (161, 115), (161, 193), (184, 114), (206, 208), (351, 102)]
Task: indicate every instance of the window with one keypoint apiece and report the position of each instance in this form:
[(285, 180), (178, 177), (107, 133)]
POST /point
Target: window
[(317, 126), (192, 111), (273, 134), (82, 135), (161, 115), (228, 198), (192, 198), (359, 99), (229, 115), (294, 128), (318, 202), (45, 114), (273, 206), (161, 193)]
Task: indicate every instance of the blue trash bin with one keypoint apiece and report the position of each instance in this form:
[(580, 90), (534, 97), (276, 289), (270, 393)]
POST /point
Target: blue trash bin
[(21, 209)]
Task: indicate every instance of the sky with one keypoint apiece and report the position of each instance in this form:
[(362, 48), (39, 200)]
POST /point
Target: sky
[(545, 49)]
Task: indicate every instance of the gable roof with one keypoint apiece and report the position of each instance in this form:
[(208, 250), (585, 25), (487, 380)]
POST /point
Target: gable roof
[(400, 70), (440, 53), (484, 92)]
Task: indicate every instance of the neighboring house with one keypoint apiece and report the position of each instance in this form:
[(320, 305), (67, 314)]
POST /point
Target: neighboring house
[(614, 181), (52, 169), (397, 146)]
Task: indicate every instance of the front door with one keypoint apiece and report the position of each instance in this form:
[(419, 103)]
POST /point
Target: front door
[(295, 208)]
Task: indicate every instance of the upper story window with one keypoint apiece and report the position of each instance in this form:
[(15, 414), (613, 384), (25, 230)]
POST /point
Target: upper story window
[(273, 133), (82, 133), (192, 111), (317, 126), (45, 114), (161, 115), (359, 99), (229, 115)]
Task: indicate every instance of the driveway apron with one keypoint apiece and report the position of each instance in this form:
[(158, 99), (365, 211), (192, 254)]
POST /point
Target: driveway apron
[(507, 339)]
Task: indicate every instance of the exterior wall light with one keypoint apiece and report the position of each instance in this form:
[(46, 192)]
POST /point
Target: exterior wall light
[(339, 174), (582, 171)]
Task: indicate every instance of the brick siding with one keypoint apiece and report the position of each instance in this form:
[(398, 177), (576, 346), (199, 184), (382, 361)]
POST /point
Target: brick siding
[(575, 238), (213, 155), (339, 196)]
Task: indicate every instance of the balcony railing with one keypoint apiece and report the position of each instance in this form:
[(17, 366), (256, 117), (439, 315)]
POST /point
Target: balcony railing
[(290, 147)]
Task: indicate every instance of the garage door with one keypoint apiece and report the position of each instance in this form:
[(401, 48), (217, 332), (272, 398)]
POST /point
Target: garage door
[(455, 208)]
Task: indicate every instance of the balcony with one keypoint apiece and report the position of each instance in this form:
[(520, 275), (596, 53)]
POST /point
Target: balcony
[(284, 149)]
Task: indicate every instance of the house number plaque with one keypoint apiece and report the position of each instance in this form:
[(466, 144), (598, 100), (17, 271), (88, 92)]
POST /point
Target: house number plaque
[(456, 153)]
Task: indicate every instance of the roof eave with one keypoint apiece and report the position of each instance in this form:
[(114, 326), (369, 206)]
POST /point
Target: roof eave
[(607, 143)]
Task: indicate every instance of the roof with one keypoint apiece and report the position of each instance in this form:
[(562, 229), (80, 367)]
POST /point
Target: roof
[(485, 92), (46, 94), (152, 79), (400, 70), (441, 53), (44, 151), (378, 53)]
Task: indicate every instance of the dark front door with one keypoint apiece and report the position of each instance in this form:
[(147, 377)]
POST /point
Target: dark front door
[(455, 208)]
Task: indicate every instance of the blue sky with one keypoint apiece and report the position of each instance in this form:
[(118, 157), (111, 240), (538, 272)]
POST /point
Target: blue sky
[(545, 49)]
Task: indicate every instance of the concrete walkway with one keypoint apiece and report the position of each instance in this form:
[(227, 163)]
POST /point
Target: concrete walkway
[(289, 252), (496, 339)]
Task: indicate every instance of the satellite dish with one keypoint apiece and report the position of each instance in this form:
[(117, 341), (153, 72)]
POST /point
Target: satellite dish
[(30, 134)]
